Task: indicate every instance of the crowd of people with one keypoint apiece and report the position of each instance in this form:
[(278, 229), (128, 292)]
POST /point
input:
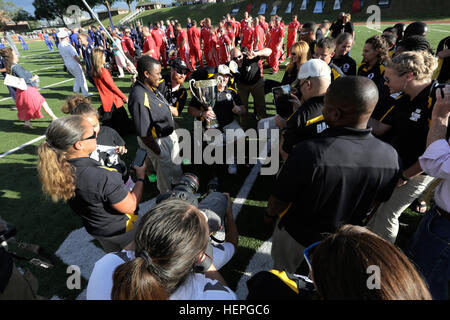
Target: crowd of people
[(359, 145)]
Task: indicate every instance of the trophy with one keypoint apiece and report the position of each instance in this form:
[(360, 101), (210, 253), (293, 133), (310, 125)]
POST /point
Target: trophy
[(206, 93)]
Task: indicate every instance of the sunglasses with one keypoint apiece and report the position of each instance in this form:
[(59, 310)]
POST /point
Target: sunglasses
[(307, 253), (293, 54), (94, 136), (238, 58), (181, 71)]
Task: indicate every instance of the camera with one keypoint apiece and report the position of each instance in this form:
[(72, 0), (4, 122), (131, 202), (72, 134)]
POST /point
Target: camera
[(185, 189)]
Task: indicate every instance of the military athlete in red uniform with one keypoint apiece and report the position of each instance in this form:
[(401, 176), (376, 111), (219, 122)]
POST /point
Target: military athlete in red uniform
[(195, 52), (292, 33), (183, 45), (276, 42)]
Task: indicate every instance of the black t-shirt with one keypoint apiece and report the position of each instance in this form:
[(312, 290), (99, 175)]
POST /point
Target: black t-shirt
[(150, 112), (410, 124), (305, 123), (223, 107), (276, 285), (97, 189), (347, 64), (333, 179), (444, 73), (376, 74), (336, 28), (249, 72), (336, 72), (176, 98)]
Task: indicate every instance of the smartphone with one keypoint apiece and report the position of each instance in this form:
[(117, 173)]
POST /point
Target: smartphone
[(281, 97), (139, 158), (440, 87)]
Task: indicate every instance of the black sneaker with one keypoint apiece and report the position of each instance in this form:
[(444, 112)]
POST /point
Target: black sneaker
[(213, 185)]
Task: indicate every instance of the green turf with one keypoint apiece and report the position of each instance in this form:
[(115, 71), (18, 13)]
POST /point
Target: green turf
[(40, 221)]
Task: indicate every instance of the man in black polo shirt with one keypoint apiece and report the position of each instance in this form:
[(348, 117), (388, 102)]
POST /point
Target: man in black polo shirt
[(171, 85), (249, 81), (313, 81), (154, 124), (334, 178)]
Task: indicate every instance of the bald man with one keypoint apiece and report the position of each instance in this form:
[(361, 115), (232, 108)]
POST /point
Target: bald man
[(335, 178)]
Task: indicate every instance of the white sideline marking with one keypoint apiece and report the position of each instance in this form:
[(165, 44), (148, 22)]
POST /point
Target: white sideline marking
[(439, 30), (373, 29), (54, 66), (261, 260), (22, 146)]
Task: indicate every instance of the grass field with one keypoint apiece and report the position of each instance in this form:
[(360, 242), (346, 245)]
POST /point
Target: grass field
[(47, 224)]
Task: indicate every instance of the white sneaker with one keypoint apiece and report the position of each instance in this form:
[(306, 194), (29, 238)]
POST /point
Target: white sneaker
[(232, 168)]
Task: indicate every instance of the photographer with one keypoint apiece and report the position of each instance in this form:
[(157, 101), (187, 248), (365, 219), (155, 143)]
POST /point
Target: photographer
[(95, 193), (172, 240), (307, 121), (249, 81)]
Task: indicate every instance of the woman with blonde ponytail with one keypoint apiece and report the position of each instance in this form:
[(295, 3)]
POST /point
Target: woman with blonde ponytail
[(171, 240), (409, 74), (94, 192)]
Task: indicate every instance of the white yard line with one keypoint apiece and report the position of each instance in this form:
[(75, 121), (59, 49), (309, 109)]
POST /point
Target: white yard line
[(439, 30), (373, 29), (22, 146), (56, 65)]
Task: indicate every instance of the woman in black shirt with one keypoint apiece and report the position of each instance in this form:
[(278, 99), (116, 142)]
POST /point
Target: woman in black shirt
[(96, 193)]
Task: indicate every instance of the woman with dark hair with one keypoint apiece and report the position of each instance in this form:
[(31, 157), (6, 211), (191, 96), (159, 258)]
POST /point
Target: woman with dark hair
[(351, 264), (94, 192), (171, 240), (375, 54), (28, 102)]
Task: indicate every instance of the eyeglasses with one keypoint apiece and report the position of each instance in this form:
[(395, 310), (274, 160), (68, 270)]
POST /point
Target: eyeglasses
[(238, 58), (301, 85), (293, 54), (321, 56), (94, 136), (307, 253)]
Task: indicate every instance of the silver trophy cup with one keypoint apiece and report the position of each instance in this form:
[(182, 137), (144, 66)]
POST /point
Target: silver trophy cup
[(206, 93)]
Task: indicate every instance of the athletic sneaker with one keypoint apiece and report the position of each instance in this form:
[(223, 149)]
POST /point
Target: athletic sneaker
[(232, 168), (213, 185)]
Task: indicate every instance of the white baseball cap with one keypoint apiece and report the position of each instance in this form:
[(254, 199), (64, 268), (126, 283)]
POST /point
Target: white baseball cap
[(62, 34), (314, 68), (224, 69)]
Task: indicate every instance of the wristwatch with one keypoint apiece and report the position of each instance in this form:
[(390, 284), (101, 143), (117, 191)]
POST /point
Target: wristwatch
[(140, 179)]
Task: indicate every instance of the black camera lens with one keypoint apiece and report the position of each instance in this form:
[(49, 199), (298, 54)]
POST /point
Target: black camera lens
[(189, 181)]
